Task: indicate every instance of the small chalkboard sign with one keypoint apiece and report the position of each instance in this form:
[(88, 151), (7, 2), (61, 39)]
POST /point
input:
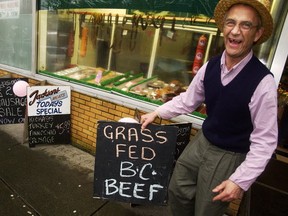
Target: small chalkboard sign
[(133, 165), (49, 115), (12, 107), (49, 129), (183, 137)]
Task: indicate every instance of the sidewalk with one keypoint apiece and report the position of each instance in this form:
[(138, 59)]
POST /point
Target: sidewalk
[(54, 180)]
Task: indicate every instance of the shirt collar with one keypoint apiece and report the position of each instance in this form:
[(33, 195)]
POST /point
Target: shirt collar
[(241, 64)]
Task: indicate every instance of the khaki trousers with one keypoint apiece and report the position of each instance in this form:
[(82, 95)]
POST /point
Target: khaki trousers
[(199, 169)]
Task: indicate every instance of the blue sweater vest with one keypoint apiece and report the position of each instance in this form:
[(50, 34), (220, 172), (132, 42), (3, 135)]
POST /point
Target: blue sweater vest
[(229, 124)]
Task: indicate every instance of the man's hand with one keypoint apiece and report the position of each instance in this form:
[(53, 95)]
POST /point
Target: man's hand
[(228, 191), (147, 119)]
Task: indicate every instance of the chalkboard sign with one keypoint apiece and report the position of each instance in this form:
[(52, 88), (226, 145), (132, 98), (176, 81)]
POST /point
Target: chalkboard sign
[(12, 107), (49, 129), (195, 7), (183, 137), (133, 165), (49, 115)]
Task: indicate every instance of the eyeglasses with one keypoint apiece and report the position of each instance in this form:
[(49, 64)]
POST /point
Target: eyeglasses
[(244, 26)]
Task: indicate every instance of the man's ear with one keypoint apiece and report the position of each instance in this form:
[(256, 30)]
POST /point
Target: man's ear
[(258, 34)]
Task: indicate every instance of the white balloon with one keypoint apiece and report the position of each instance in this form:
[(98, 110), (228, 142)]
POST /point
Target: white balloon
[(20, 88), (128, 120)]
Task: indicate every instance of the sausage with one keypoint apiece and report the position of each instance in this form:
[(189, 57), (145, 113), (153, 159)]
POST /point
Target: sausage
[(70, 49), (84, 38), (199, 55)]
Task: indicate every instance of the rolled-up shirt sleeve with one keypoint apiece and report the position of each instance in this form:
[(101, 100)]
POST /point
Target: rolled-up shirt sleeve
[(187, 101)]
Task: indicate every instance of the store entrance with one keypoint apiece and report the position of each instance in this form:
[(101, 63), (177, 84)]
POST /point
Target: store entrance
[(283, 108)]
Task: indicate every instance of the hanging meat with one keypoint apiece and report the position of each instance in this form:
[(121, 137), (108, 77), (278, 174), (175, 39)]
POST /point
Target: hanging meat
[(200, 53), (84, 38), (70, 49)]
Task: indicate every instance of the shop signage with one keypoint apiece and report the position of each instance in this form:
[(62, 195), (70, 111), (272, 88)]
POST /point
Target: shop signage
[(12, 107), (133, 165), (49, 114), (9, 9), (183, 137)]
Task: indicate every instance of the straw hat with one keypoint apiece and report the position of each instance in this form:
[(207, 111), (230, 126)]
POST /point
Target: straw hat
[(262, 6)]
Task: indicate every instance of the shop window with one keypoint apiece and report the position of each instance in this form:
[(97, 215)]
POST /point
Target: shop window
[(16, 34), (94, 47), (131, 53), (131, 48)]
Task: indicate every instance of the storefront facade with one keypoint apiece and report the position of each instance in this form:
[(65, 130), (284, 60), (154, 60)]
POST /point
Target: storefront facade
[(120, 60)]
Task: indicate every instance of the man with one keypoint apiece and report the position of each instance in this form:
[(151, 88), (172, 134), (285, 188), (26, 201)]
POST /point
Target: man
[(240, 132)]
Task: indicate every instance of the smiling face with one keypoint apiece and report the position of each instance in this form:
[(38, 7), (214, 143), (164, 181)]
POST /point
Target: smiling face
[(241, 29)]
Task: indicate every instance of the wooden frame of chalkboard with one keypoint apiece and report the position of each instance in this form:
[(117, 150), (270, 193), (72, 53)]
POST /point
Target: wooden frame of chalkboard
[(12, 107), (133, 165)]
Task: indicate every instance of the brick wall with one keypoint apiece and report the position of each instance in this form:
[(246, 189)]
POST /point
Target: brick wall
[(86, 111)]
